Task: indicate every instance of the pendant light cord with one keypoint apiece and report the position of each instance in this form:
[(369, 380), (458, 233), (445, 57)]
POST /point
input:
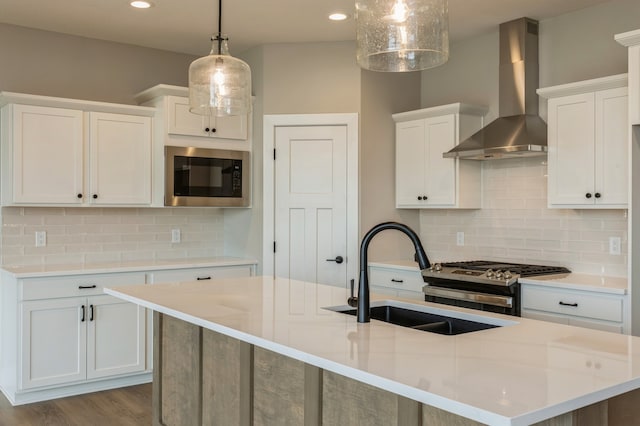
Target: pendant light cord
[(219, 26)]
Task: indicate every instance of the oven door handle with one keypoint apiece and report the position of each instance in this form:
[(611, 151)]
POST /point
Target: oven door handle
[(489, 299)]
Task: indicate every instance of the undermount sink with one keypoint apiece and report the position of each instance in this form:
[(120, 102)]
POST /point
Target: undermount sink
[(426, 319)]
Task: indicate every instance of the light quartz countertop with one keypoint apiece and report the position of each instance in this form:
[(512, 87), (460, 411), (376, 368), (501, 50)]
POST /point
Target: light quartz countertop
[(124, 266), (518, 374), (574, 281)]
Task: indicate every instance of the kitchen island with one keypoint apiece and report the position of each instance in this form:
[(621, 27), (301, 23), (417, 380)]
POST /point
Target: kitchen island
[(260, 350)]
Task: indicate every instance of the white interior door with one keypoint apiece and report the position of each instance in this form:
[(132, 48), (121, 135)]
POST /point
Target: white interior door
[(311, 203)]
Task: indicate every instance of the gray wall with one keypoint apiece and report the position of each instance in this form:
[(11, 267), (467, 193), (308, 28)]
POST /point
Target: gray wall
[(573, 47), (384, 94), (53, 64)]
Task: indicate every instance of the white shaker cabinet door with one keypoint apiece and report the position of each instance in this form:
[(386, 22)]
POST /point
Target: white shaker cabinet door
[(115, 337), (571, 153), (47, 155), (120, 152), (410, 163), (53, 342), (612, 153), (440, 172)]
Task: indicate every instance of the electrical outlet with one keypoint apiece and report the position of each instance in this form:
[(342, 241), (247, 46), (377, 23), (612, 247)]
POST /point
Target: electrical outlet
[(460, 239), (41, 238), (614, 245), (175, 235)]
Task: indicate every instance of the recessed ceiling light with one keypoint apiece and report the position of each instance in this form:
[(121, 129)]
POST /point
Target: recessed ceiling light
[(140, 4), (338, 16)]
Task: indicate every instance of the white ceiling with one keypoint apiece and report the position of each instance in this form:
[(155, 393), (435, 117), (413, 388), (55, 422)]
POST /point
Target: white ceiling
[(186, 25)]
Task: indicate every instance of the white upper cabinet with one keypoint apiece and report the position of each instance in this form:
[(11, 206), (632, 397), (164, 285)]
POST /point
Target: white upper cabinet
[(120, 159), (44, 148), (180, 121), (90, 154), (588, 143), (424, 179)]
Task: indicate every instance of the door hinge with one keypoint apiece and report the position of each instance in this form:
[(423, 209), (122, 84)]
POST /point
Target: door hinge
[(274, 153), (274, 246)]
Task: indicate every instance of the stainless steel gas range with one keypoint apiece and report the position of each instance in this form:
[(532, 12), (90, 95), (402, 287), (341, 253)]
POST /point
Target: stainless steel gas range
[(481, 284)]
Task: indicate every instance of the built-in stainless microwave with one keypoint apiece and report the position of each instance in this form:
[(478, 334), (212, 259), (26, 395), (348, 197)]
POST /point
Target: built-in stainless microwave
[(200, 177)]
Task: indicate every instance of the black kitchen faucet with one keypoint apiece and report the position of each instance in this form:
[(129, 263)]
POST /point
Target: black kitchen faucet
[(362, 301)]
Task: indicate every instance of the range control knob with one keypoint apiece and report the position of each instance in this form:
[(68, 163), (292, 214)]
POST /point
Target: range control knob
[(499, 275), (490, 273), (437, 267), (508, 275)]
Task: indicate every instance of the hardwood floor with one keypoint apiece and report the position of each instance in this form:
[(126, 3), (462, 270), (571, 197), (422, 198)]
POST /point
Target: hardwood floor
[(129, 406)]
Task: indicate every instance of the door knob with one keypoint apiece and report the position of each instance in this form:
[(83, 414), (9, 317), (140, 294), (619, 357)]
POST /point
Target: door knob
[(338, 259)]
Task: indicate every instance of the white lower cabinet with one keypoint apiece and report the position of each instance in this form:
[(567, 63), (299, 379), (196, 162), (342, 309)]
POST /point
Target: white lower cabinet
[(115, 337), (79, 338), (53, 342), (395, 281), (595, 310), (201, 274), (61, 335)]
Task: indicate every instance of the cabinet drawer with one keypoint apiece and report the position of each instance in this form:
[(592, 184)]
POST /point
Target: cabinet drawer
[(74, 285), (201, 274), (396, 278), (581, 304)]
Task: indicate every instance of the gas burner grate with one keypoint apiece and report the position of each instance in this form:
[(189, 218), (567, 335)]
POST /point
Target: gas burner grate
[(523, 270)]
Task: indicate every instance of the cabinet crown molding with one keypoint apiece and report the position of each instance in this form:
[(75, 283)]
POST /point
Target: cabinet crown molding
[(628, 39), (160, 90), (455, 108), (578, 87), (77, 104)]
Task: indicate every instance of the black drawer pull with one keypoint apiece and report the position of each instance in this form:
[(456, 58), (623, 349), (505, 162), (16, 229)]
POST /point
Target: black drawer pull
[(203, 278), (575, 305), (393, 280), (85, 287), (82, 319), (90, 312)]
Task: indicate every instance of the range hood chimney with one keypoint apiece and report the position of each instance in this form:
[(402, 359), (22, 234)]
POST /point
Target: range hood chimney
[(518, 131)]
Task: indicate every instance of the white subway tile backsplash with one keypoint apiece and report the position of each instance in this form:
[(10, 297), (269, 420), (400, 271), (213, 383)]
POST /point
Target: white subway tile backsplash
[(96, 235), (516, 225)]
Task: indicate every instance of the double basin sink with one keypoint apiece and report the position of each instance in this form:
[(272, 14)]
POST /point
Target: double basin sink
[(424, 318)]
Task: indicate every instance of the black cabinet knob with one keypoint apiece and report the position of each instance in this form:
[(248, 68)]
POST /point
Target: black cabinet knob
[(213, 130), (95, 196), (419, 197), (79, 195), (206, 129), (588, 195), (598, 195), (424, 197)]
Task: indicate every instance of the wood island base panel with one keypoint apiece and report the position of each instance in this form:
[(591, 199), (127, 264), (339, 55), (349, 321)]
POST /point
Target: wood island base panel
[(206, 378), (267, 351)]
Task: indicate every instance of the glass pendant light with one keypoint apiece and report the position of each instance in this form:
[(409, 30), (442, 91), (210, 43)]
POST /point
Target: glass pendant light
[(402, 35), (219, 84)]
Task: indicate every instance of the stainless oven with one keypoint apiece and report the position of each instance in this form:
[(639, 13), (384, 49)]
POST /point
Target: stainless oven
[(483, 285), (200, 177)]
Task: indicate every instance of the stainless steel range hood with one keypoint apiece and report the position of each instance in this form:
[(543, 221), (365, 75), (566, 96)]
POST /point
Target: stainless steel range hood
[(518, 131)]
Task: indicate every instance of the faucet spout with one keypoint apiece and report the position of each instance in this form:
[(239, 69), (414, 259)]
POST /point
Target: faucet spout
[(364, 312)]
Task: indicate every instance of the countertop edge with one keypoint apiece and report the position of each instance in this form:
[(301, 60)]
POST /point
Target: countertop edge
[(575, 285), (573, 281), (138, 266)]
